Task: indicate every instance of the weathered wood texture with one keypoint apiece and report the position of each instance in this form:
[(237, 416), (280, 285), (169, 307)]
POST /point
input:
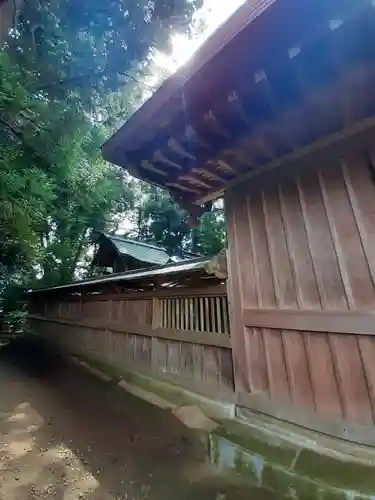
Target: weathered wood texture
[(183, 334), (302, 268)]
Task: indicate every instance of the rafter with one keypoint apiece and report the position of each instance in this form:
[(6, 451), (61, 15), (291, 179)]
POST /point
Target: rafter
[(214, 124), (174, 145), (147, 165), (161, 158), (211, 174), (192, 135), (191, 179), (183, 187)]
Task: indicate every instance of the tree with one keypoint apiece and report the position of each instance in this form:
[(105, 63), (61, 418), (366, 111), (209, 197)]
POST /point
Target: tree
[(158, 219), (65, 68), (82, 50)]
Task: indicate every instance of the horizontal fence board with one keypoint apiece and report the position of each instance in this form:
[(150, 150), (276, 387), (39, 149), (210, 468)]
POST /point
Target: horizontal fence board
[(314, 321), (189, 336)]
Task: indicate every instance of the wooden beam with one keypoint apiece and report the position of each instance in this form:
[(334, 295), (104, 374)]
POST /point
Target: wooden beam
[(149, 166), (176, 147), (192, 135), (191, 179), (359, 323), (215, 126), (211, 174), (183, 187), (360, 133), (188, 336), (159, 157), (276, 108)]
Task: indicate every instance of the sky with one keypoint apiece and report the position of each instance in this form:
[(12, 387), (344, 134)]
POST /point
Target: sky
[(213, 14)]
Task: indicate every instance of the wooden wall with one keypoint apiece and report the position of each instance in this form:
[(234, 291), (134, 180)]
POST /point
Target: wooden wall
[(302, 269), (182, 334)]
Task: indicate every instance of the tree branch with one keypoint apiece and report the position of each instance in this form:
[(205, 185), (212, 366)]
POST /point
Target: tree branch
[(89, 76), (25, 144)]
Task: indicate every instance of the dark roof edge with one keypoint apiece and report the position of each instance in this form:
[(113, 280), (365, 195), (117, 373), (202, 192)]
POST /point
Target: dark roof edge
[(236, 23), (177, 267)]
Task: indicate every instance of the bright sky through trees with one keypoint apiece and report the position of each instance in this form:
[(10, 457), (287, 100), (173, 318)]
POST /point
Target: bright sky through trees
[(212, 15)]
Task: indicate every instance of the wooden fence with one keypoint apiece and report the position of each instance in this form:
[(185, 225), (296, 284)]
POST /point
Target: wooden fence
[(179, 334)]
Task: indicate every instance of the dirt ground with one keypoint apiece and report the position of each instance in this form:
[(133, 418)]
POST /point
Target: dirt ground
[(65, 435)]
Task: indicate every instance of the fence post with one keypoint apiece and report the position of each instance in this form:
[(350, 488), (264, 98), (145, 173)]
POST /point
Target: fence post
[(156, 316)]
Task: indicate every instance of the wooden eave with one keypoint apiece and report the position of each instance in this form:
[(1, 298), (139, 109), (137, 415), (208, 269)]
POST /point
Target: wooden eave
[(279, 80)]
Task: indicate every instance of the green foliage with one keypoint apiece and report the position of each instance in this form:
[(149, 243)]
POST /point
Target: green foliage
[(68, 73), (66, 69), (158, 219)]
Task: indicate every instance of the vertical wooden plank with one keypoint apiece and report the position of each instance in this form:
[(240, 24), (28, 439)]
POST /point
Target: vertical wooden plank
[(213, 327), (130, 341), (170, 301), (145, 354), (350, 373), (187, 361), (367, 350), (170, 312), (173, 357), (174, 323), (276, 367), (124, 311), (298, 247), (201, 315), (178, 314), (279, 256), (149, 311), (257, 360), (224, 305), (119, 349), (191, 314), (115, 310), (293, 342), (361, 191), (159, 355), (323, 377), (320, 363), (186, 314), (164, 315), (138, 361), (219, 328), (210, 366), (298, 370), (226, 373), (196, 314), (247, 278), (328, 276), (206, 314), (359, 287), (197, 358), (156, 313), (235, 294)]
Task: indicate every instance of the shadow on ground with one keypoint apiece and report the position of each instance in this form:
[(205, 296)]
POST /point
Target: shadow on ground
[(66, 435)]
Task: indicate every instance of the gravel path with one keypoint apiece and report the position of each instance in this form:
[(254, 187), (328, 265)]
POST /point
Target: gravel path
[(65, 435)]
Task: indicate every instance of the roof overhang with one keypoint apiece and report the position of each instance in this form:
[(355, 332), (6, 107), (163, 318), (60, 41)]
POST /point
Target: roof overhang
[(279, 79), (148, 278)]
